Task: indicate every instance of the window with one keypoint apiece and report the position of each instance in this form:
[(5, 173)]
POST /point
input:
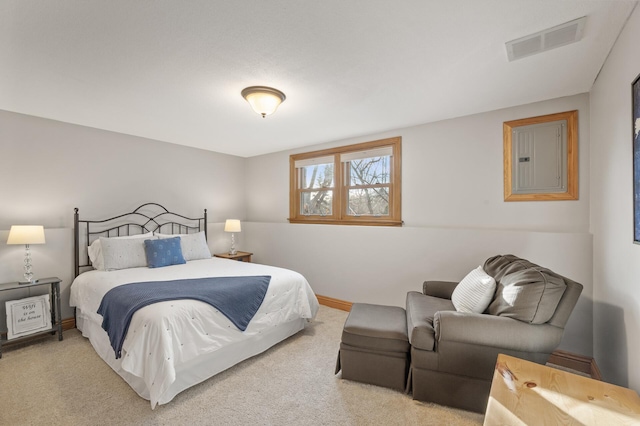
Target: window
[(350, 185)]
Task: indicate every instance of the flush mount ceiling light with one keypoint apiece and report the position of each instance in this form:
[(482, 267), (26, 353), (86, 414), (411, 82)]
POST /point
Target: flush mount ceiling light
[(263, 100)]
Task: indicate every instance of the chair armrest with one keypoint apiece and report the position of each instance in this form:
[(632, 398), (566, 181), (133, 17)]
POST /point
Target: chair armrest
[(495, 331), (441, 289)]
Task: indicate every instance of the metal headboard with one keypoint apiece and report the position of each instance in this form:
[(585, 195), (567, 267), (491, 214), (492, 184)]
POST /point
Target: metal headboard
[(149, 217)]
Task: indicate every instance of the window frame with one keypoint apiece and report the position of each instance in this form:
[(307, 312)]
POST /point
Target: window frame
[(341, 186)]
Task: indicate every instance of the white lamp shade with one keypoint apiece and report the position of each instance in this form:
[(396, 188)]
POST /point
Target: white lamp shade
[(26, 234), (263, 100), (232, 225)]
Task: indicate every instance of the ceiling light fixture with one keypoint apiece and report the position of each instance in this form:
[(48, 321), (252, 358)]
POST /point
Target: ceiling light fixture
[(263, 100)]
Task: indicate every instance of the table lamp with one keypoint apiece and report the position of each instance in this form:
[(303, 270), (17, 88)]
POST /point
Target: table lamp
[(232, 225), (27, 235)]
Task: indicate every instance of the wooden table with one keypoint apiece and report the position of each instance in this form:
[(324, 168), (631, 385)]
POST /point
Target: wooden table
[(242, 256), (526, 393)]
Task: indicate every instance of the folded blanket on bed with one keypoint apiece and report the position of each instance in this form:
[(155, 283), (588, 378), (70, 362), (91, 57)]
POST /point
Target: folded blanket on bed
[(238, 298)]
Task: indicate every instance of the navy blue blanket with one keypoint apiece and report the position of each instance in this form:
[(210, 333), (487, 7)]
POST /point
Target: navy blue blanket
[(238, 298)]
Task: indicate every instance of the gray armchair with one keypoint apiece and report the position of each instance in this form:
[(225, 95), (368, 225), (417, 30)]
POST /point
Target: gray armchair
[(453, 354)]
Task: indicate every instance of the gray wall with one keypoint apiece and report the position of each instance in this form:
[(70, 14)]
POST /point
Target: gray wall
[(616, 259), (454, 214), (453, 207), (47, 168)]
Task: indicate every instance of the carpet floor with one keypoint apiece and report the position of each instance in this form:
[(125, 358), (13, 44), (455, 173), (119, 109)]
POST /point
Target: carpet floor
[(66, 383)]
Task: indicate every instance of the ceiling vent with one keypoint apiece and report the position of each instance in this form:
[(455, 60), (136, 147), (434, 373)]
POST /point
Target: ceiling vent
[(561, 35)]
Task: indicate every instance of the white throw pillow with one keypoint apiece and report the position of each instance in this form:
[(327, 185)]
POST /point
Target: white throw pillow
[(475, 292), (95, 249), (194, 246)]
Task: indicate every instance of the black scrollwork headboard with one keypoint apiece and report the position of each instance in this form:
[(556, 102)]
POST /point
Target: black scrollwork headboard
[(149, 217)]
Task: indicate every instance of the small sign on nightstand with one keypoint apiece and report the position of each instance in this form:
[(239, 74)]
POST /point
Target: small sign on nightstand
[(28, 316)]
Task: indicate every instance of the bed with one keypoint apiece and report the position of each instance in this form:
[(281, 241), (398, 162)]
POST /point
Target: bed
[(174, 344)]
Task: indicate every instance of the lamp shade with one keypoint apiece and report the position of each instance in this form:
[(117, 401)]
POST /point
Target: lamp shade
[(26, 234), (263, 100), (232, 225)]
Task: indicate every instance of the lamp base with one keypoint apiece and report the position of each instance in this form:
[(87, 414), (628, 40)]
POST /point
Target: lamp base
[(233, 250)]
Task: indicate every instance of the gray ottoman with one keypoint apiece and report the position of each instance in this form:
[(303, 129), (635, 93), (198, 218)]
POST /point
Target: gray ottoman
[(375, 346)]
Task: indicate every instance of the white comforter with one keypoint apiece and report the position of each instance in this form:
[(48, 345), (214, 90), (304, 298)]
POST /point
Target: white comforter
[(165, 335)]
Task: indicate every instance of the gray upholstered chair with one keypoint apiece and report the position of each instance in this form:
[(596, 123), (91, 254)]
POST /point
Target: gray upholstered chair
[(453, 354)]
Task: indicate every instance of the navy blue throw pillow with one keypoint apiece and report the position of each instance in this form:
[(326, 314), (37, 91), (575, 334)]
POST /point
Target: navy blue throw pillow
[(163, 252)]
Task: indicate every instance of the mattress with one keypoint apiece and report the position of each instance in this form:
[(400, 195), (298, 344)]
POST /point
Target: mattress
[(173, 345)]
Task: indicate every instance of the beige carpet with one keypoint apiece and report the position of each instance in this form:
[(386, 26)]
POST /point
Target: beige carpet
[(66, 383)]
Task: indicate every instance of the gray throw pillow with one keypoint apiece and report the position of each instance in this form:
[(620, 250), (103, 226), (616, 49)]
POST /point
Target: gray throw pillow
[(530, 295)]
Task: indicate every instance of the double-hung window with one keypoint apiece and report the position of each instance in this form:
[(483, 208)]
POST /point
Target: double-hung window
[(349, 185)]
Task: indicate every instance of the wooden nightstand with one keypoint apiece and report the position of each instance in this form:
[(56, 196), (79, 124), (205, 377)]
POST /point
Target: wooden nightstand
[(241, 256)]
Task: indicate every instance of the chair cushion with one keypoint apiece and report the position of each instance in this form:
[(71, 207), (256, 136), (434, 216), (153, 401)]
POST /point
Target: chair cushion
[(503, 264), (420, 312), (376, 327), (475, 292), (531, 295)]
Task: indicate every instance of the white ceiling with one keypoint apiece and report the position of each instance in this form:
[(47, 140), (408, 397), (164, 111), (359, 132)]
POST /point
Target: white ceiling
[(173, 70)]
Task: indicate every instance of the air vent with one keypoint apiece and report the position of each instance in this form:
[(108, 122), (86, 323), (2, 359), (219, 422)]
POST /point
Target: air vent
[(561, 35)]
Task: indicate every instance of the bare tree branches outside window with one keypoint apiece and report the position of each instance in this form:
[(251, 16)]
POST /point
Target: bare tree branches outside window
[(319, 177), (369, 181)]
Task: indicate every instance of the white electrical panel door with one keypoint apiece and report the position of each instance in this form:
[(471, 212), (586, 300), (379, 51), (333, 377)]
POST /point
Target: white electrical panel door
[(540, 158)]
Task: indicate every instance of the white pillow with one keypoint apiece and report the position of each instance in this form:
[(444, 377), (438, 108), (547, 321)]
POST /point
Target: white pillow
[(474, 293), (95, 249), (194, 246), (123, 253)]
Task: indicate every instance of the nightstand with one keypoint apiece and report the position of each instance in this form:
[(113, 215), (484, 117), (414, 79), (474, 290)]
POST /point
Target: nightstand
[(242, 256), (56, 311)]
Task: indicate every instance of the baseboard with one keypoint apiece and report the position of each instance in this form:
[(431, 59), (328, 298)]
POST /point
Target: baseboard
[(68, 324), (334, 303), (581, 363), (595, 371)]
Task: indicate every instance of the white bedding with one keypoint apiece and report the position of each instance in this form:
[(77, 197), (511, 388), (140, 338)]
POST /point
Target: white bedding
[(175, 344)]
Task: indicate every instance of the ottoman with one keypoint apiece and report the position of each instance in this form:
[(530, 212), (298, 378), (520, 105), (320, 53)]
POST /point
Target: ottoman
[(375, 347)]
